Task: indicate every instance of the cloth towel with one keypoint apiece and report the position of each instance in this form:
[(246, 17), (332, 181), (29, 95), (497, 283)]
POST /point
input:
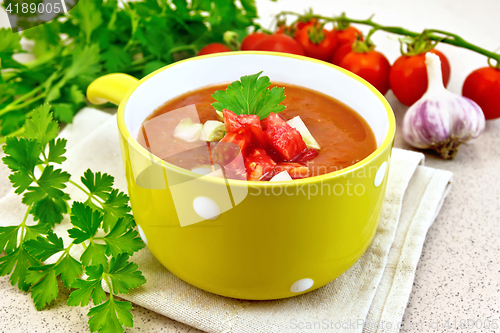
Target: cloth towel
[(370, 297)]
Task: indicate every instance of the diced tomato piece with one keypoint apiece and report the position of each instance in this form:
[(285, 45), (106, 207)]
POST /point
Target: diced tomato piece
[(228, 153), (283, 138), (241, 139), (231, 122), (252, 122), (309, 154), (259, 165), (273, 120), (249, 119), (295, 170), (244, 122), (230, 148)]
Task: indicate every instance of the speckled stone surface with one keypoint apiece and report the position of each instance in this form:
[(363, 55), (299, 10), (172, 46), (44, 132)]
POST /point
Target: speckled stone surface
[(458, 277)]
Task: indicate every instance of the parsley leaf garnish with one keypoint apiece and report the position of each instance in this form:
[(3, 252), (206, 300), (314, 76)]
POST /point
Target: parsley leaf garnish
[(101, 225), (250, 95)]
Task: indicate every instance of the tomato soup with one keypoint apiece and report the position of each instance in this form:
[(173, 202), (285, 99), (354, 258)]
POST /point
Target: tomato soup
[(344, 136)]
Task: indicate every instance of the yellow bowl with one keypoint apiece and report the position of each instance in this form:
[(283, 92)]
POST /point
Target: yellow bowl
[(270, 240)]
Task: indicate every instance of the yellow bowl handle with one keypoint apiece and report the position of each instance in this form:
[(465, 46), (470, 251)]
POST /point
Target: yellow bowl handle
[(110, 88)]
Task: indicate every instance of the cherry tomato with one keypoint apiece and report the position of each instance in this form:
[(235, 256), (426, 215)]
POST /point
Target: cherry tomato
[(283, 138), (214, 48), (281, 29), (249, 42), (408, 78), (483, 87), (341, 52), (348, 35), (372, 66), (280, 43), (323, 50), (301, 25)]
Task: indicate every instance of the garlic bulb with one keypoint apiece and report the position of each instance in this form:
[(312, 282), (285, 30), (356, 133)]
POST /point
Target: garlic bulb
[(441, 120)]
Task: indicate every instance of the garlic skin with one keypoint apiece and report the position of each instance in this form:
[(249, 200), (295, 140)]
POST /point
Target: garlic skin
[(441, 120)]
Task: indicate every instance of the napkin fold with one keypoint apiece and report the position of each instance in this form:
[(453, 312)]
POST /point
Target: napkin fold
[(370, 297)]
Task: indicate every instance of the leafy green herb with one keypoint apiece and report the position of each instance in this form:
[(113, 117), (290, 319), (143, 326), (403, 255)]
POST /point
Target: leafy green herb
[(112, 314), (250, 95), (103, 37), (28, 246)]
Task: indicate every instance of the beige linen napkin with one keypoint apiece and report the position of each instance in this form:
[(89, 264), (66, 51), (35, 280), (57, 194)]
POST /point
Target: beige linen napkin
[(370, 297)]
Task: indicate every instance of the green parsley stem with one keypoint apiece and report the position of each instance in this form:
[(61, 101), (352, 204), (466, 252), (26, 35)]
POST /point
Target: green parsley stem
[(89, 194), (9, 75), (23, 224), (79, 187), (15, 133), (65, 253), (42, 59), (105, 277), (45, 158), (20, 99), (15, 106)]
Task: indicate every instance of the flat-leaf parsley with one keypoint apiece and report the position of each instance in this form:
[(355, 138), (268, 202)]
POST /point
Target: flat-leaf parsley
[(28, 247)]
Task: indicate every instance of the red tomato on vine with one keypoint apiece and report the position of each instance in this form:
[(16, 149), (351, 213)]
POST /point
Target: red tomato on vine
[(372, 66), (341, 52), (408, 78), (345, 39), (280, 43), (250, 41), (316, 42), (300, 25), (348, 35), (214, 48), (483, 87)]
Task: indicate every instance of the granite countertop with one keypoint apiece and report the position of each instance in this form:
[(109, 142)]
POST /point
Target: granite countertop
[(458, 274)]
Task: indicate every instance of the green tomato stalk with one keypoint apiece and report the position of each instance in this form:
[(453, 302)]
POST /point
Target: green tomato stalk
[(429, 34)]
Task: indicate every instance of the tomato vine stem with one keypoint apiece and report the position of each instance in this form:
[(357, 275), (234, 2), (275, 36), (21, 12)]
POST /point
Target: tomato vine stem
[(431, 34)]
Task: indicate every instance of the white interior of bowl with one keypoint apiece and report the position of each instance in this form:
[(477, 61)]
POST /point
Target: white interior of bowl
[(197, 73)]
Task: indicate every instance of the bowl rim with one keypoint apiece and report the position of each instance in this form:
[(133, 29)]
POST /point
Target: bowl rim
[(386, 143)]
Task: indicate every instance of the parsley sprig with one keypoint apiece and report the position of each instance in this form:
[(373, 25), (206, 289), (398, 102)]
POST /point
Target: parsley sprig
[(98, 37), (250, 95), (36, 257)]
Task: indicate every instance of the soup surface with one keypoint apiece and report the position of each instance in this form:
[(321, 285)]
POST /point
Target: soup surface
[(344, 136)]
